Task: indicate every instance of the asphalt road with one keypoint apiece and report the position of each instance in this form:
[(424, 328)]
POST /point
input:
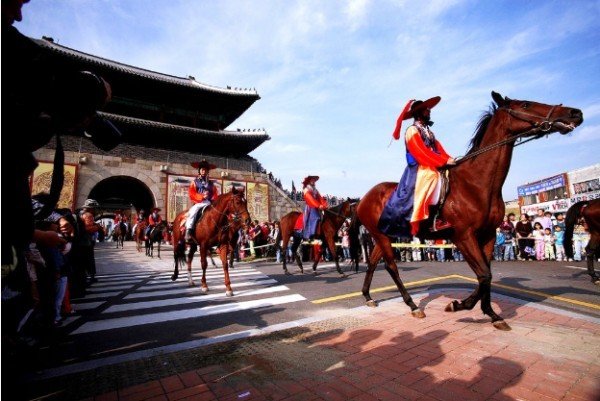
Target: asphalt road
[(135, 310)]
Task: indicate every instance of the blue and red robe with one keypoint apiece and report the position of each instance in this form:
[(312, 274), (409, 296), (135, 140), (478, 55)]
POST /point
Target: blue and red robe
[(409, 203), (313, 200)]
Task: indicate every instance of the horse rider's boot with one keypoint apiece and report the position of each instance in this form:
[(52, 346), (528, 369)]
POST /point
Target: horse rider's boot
[(440, 224), (189, 233)]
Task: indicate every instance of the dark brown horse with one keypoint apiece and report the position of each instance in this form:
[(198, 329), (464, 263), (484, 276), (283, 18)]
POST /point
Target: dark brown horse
[(118, 234), (589, 211), (333, 218), (227, 209), (155, 236), (474, 205)]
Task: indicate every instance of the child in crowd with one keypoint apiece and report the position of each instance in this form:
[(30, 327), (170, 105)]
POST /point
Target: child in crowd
[(499, 245), (416, 251), (538, 235), (509, 250), (559, 235), (549, 239)]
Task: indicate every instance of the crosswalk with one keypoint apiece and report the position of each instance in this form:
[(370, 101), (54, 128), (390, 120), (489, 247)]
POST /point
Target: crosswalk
[(133, 299)]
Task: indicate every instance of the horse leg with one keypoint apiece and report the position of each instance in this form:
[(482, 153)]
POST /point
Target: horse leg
[(331, 246), (317, 257), (371, 266), (284, 245), (390, 265), (158, 250), (223, 253), (190, 257), (295, 245), (480, 264), (204, 263), (590, 254)]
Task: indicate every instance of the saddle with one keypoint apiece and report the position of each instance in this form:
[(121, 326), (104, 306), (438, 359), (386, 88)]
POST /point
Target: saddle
[(196, 220)]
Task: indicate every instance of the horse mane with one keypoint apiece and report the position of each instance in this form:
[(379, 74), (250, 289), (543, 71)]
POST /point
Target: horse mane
[(337, 208), (482, 127), (223, 198)]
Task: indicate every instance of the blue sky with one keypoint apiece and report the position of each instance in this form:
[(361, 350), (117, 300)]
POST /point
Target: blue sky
[(334, 75)]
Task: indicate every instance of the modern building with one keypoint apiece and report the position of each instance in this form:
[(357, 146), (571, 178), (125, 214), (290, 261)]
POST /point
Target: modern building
[(167, 123), (557, 193)]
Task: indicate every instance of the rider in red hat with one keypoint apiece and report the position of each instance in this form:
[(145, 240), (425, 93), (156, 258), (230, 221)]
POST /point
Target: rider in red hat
[(314, 203), (153, 220), (424, 156), (202, 193)]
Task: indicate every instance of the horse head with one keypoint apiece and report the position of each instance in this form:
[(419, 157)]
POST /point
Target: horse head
[(537, 119), (237, 206)]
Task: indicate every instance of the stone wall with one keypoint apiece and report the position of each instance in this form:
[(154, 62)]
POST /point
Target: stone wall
[(94, 168)]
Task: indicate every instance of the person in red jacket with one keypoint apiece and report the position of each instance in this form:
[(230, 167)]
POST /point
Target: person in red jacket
[(153, 220), (202, 193), (417, 189), (314, 204)]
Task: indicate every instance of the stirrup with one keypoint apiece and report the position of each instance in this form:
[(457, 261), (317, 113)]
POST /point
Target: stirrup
[(439, 225)]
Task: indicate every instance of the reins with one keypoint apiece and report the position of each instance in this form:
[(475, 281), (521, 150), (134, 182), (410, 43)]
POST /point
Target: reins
[(544, 127), (236, 216)]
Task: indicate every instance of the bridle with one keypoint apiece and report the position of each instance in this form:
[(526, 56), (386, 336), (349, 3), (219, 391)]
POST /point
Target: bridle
[(536, 131), (231, 217)]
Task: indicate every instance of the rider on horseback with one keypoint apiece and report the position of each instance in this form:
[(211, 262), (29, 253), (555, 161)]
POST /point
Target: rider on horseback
[(421, 179), (153, 221), (315, 203), (202, 193)]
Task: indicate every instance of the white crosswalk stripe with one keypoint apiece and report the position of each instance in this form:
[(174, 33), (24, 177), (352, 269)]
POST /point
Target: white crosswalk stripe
[(133, 299), (122, 322)]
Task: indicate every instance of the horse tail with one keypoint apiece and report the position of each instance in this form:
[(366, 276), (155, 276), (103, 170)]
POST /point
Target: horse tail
[(572, 217), (178, 257)]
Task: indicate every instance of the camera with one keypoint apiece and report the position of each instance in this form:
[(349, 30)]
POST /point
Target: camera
[(79, 96)]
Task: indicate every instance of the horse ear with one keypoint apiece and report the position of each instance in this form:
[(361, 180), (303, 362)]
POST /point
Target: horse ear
[(500, 101)]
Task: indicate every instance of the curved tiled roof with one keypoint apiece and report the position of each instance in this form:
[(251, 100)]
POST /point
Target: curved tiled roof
[(170, 136), (128, 69)]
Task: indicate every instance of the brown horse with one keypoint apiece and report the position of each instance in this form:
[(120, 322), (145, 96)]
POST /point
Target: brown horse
[(227, 209), (333, 218), (118, 234), (589, 211), (138, 234), (474, 205)]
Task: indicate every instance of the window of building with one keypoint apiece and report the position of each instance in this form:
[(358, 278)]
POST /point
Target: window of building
[(587, 186)]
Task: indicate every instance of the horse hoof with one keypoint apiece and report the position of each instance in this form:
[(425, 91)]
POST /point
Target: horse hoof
[(173, 277), (228, 293), (372, 303), (451, 307), (596, 282), (301, 271), (315, 273), (204, 290), (418, 313), (342, 275), (287, 273), (501, 325)]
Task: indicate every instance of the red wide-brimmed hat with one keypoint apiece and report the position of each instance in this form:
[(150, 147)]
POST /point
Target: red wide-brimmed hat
[(308, 178), (156, 209), (411, 108), (204, 164)]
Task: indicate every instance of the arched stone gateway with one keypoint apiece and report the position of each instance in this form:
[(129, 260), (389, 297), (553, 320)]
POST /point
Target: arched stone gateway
[(122, 192)]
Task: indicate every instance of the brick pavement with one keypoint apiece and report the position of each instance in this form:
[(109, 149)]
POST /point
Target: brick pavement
[(385, 354)]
